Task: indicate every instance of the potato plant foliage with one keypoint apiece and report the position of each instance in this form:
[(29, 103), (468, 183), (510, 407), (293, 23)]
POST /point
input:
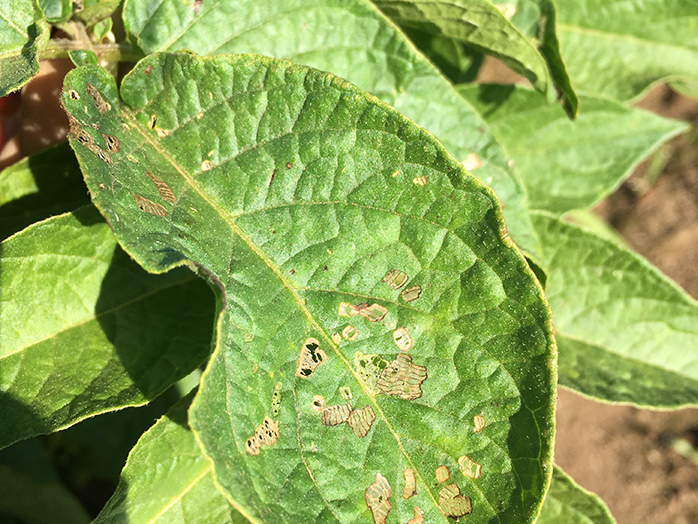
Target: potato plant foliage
[(348, 259)]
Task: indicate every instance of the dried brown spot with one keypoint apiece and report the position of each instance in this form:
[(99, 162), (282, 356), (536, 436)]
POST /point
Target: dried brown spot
[(350, 333), (200, 115), (197, 6), (276, 399), (149, 207), (336, 338), (377, 499), (335, 415), (452, 503), (472, 162), (402, 378), (442, 474), (479, 422), (162, 133), (402, 339), (289, 165), (153, 121), (369, 369), (310, 358), (410, 484), (396, 278), (347, 310), (148, 69), (103, 155), (469, 467), (418, 516), (318, 403), (345, 393), (100, 104), (266, 434), (73, 94), (206, 165), (273, 174), (361, 420), (411, 293), (165, 192), (113, 144), (374, 312), (421, 181)]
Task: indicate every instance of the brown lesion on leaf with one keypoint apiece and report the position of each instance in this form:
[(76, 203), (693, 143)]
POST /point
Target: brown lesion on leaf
[(103, 155), (410, 487), (206, 165), (369, 368), (100, 103), (479, 422), (335, 415), (318, 403), (402, 378), (345, 393), (402, 339), (276, 399), (113, 144), (373, 313), (472, 162), (469, 467), (350, 333), (421, 181), (377, 499), (395, 278), (153, 121), (359, 420), (73, 94), (165, 192), (418, 516), (149, 206), (162, 133), (148, 69), (310, 358), (266, 434), (452, 503), (336, 338), (411, 293)]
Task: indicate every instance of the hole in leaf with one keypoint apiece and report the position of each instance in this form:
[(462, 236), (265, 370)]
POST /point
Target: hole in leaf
[(310, 358), (402, 378)]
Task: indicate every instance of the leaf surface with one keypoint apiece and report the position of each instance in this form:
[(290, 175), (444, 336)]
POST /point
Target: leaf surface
[(56, 10), (570, 503), (569, 164), (352, 39), (22, 33), (618, 49), (84, 330), (476, 22), (167, 479), (296, 192), (623, 329)]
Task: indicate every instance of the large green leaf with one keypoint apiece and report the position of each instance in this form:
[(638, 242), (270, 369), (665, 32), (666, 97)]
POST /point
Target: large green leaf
[(569, 503), (84, 330), (352, 39), (40, 186), (296, 192), (568, 164), (625, 332), (23, 32), (167, 479), (475, 22), (617, 49)]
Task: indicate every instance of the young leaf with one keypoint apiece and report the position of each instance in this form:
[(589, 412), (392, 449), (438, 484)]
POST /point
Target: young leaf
[(37, 187), (23, 32), (570, 503), (56, 10), (569, 164), (623, 329), (167, 479), (475, 22), (84, 330), (618, 49), (299, 194), (355, 41)]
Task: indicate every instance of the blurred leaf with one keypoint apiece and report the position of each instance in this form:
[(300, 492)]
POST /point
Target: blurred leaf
[(618, 49), (40, 186), (167, 479), (623, 329), (83, 57), (23, 32), (56, 10), (102, 29), (351, 39), (477, 23), (296, 192), (569, 503), (569, 164), (84, 330), (93, 11)]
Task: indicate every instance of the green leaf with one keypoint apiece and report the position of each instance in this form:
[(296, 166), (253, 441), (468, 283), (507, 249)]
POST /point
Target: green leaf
[(167, 479), (623, 329), (85, 330), (569, 164), (95, 10), (295, 192), (570, 503), (40, 186), (23, 33), (477, 23), (102, 29), (618, 49), (32, 492), (351, 39), (56, 10), (82, 57)]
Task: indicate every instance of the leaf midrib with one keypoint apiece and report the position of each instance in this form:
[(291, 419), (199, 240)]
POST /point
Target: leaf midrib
[(237, 231)]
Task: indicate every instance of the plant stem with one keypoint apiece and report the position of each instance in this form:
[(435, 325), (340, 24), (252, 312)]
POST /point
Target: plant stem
[(113, 53)]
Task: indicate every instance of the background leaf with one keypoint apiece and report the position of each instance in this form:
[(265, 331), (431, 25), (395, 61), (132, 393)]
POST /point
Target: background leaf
[(351, 39), (84, 330), (569, 164), (570, 503), (23, 33), (167, 479), (56, 10), (618, 49), (295, 192), (476, 22), (622, 327)]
